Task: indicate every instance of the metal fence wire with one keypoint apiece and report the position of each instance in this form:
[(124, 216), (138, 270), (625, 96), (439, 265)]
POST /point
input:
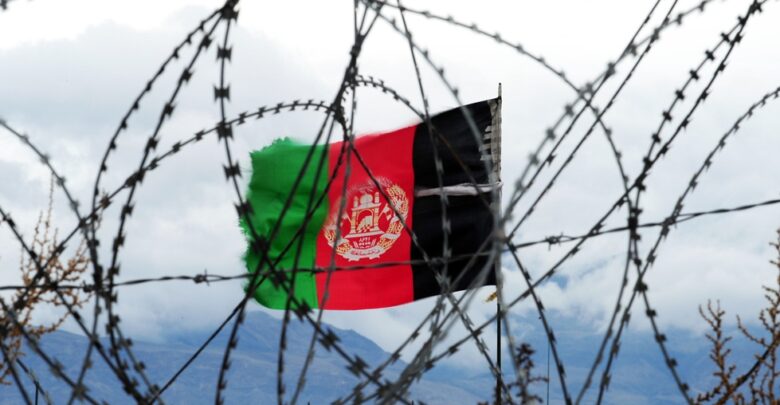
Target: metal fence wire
[(544, 167)]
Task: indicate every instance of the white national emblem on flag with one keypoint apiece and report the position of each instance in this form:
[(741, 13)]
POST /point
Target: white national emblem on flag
[(369, 226)]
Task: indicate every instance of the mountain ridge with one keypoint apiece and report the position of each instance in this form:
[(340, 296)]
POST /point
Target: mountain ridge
[(639, 375)]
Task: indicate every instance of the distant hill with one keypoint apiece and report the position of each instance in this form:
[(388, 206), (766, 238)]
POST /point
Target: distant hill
[(252, 376), (639, 376)]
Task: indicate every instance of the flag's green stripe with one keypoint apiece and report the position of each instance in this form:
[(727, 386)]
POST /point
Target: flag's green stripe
[(274, 170)]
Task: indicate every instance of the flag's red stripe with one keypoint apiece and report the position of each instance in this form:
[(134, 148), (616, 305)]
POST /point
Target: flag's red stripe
[(388, 156)]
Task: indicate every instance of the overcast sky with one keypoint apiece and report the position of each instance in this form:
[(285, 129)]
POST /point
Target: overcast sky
[(69, 71)]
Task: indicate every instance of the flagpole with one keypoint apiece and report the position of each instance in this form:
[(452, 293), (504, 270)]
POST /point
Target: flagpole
[(496, 130), (498, 352)]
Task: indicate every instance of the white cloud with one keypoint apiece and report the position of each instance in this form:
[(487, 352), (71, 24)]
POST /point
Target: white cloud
[(68, 80)]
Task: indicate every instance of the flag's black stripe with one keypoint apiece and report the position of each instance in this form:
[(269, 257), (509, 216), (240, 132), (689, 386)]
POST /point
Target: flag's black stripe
[(460, 145), (472, 225), (471, 222)]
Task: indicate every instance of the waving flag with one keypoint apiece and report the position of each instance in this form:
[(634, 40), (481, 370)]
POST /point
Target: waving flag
[(385, 248)]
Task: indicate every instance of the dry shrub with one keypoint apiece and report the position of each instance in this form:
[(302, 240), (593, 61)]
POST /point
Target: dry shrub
[(521, 388), (763, 375), (59, 270)]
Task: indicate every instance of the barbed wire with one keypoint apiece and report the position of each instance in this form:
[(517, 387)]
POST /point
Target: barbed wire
[(4, 4), (448, 310)]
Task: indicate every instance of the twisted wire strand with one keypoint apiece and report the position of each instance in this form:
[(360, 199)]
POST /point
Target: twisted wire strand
[(447, 310)]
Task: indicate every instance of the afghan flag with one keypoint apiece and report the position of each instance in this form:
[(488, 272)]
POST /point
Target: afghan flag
[(385, 247)]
